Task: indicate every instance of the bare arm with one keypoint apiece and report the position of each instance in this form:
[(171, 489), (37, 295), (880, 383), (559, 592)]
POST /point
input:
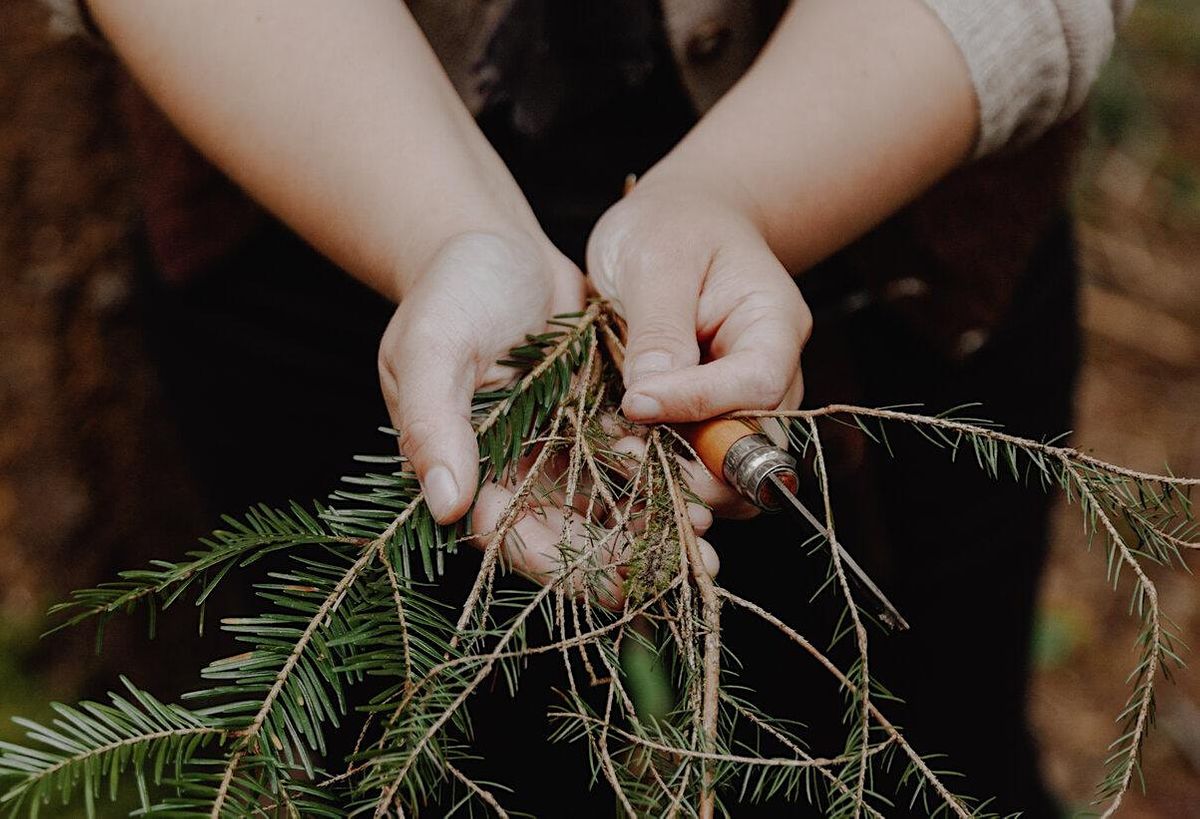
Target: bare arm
[(336, 116), (853, 109)]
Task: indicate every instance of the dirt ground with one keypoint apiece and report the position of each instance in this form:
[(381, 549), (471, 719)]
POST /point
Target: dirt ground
[(85, 452)]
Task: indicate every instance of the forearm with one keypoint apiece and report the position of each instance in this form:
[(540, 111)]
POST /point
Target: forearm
[(335, 116), (852, 110)]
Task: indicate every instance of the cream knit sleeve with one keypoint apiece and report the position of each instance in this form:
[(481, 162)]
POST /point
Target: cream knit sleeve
[(1032, 61)]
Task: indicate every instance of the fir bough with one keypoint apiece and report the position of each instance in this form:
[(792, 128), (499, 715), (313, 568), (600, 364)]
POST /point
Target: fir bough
[(353, 606)]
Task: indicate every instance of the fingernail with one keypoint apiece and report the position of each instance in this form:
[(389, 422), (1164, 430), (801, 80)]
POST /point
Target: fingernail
[(712, 561), (649, 364), (441, 492), (701, 518), (638, 405)]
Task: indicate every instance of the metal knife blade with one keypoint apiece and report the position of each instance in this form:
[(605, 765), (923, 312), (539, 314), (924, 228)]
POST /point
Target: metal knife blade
[(888, 613)]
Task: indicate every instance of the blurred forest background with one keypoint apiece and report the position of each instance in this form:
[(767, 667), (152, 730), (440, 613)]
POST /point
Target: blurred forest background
[(91, 481)]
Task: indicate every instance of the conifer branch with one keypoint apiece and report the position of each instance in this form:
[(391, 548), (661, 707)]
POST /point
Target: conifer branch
[(263, 530), (94, 741), (250, 735), (710, 616), (821, 765), (1140, 707), (918, 763), (349, 609), (483, 793), (973, 429), (862, 675)]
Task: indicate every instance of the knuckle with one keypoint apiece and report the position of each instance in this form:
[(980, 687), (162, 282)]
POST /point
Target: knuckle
[(804, 319), (631, 250), (383, 364), (388, 347), (698, 404), (608, 249), (415, 435), (767, 385), (660, 333), (789, 311), (795, 396)]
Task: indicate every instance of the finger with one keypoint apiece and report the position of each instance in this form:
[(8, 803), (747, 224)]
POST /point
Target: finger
[(533, 551), (660, 313), (772, 427), (551, 487), (700, 517), (716, 497), (795, 393), (633, 450), (616, 426), (427, 384), (570, 287), (709, 557), (533, 547), (755, 345), (758, 371), (631, 454), (721, 498)]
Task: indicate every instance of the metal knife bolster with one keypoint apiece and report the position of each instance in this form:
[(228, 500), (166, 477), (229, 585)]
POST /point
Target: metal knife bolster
[(750, 464)]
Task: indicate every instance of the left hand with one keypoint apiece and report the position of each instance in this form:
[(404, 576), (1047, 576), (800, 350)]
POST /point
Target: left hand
[(715, 322)]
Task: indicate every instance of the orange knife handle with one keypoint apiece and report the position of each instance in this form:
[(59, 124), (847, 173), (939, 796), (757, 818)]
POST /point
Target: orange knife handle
[(713, 439)]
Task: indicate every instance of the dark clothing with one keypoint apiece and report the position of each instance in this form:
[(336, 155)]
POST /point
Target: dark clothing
[(958, 553), (270, 355), (535, 68)]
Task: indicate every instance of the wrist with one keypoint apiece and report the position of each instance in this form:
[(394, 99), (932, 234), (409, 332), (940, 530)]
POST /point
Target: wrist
[(672, 224), (476, 197), (415, 253), (511, 245), (690, 176)]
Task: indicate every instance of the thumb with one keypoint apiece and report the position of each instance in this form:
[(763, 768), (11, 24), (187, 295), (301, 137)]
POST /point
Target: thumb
[(428, 388), (661, 320)]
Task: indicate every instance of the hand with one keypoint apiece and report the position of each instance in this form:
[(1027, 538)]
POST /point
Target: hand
[(478, 297), (597, 568), (715, 322)]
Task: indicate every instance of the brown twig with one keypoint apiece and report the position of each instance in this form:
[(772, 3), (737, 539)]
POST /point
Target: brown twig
[(484, 794), (1058, 452), (710, 612), (860, 632), (949, 799), (1154, 650)]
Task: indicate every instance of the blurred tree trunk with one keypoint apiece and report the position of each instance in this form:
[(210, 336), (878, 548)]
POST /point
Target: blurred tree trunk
[(90, 477)]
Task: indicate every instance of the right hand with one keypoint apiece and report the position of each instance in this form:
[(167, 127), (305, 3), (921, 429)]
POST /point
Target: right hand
[(477, 297)]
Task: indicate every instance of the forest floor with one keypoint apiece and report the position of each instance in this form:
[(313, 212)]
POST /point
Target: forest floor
[(85, 452)]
